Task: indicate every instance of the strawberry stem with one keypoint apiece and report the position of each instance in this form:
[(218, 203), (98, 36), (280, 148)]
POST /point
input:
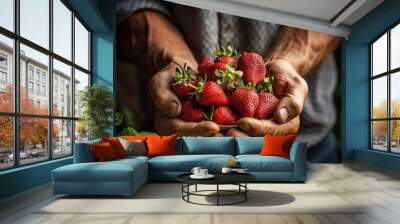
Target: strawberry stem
[(211, 113)]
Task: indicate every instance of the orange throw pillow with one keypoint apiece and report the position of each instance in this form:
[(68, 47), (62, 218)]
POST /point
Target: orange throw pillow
[(161, 145), (277, 145), (135, 137), (103, 152), (116, 145)]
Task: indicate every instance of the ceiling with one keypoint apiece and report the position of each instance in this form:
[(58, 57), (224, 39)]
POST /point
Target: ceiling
[(328, 16)]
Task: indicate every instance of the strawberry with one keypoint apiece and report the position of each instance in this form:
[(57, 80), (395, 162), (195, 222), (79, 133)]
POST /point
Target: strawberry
[(225, 55), (191, 111), (211, 75), (245, 101), (205, 65), (268, 100), (223, 115), (211, 93), (266, 106), (184, 81), (253, 67)]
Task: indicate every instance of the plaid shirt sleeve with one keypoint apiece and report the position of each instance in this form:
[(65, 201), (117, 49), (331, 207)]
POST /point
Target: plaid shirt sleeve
[(126, 7)]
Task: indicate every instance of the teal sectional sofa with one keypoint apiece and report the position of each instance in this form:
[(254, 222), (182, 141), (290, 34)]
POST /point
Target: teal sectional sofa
[(125, 176)]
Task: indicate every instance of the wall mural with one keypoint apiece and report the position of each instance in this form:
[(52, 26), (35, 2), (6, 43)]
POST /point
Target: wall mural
[(197, 72)]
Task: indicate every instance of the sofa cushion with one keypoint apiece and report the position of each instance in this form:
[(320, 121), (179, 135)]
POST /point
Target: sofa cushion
[(207, 145), (257, 163), (277, 145), (113, 171), (185, 163), (103, 152), (249, 145), (116, 145), (161, 145), (83, 152)]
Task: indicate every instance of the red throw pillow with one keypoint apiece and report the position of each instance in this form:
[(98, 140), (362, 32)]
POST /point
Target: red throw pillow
[(116, 145), (277, 145), (103, 152), (161, 145)]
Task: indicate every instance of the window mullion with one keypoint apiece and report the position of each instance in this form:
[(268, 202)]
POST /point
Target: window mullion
[(16, 85), (73, 82), (50, 79), (389, 104)]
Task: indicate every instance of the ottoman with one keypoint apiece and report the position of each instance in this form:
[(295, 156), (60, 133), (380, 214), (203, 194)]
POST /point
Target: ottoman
[(118, 177)]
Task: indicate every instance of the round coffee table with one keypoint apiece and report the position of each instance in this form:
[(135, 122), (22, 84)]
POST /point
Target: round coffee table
[(238, 179)]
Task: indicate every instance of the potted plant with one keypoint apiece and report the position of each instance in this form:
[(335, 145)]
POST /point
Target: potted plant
[(96, 102)]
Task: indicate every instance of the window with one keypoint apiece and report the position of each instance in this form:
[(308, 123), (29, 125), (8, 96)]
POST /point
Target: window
[(37, 90), (3, 61), (44, 91), (6, 89), (38, 74), (385, 94), (81, 45), (30, 72), (30, 87), (3, 78), (41, 124), (3, 72), (7, 14)]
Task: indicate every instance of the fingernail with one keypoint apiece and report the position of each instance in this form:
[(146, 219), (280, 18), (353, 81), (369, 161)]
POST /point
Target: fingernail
[(283, 114), (172, 109)]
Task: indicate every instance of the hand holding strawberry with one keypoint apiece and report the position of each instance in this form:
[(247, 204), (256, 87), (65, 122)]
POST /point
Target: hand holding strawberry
[(235, 90)]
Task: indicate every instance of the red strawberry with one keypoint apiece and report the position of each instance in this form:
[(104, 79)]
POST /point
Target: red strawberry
[(184, 82), (225, 55), (224, 116), (213, 68), (205, 65), (268, 100), (253, 67), (245, 101), (191, 112), (266, 106), (183, 90), (211, 93)]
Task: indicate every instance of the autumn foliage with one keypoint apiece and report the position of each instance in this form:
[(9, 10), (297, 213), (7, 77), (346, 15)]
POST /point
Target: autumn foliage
[(380, 127), (33, 131)]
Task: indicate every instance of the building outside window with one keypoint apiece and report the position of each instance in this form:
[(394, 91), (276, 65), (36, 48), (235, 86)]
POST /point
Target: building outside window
[(43, 90), (3, 78), (385, 93), (57, 126), (3, 72), (30, 87), (30, 72)]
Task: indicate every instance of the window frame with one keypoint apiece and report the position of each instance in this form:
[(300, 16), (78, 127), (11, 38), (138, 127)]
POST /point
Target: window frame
[(388, 74), (16, 115)]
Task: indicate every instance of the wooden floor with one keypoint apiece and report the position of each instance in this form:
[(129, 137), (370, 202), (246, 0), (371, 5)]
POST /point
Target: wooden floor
[(379, 189)]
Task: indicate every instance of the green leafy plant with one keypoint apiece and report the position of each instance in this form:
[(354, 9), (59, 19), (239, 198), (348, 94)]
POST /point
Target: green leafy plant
[(122, 122), (96, 102)]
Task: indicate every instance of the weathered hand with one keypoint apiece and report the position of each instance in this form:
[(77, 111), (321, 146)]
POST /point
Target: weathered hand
[(164, 99), (289, 87), (256, 127), (169, 108), (166, 126)]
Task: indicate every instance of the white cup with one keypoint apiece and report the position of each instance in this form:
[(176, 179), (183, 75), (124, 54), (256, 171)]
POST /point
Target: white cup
[(226, 170), (203, 172), (196, 171)]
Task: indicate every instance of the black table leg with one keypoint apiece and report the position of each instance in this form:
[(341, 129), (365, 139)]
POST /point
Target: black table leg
[(245, 193), (217, 194), (195, 188)]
